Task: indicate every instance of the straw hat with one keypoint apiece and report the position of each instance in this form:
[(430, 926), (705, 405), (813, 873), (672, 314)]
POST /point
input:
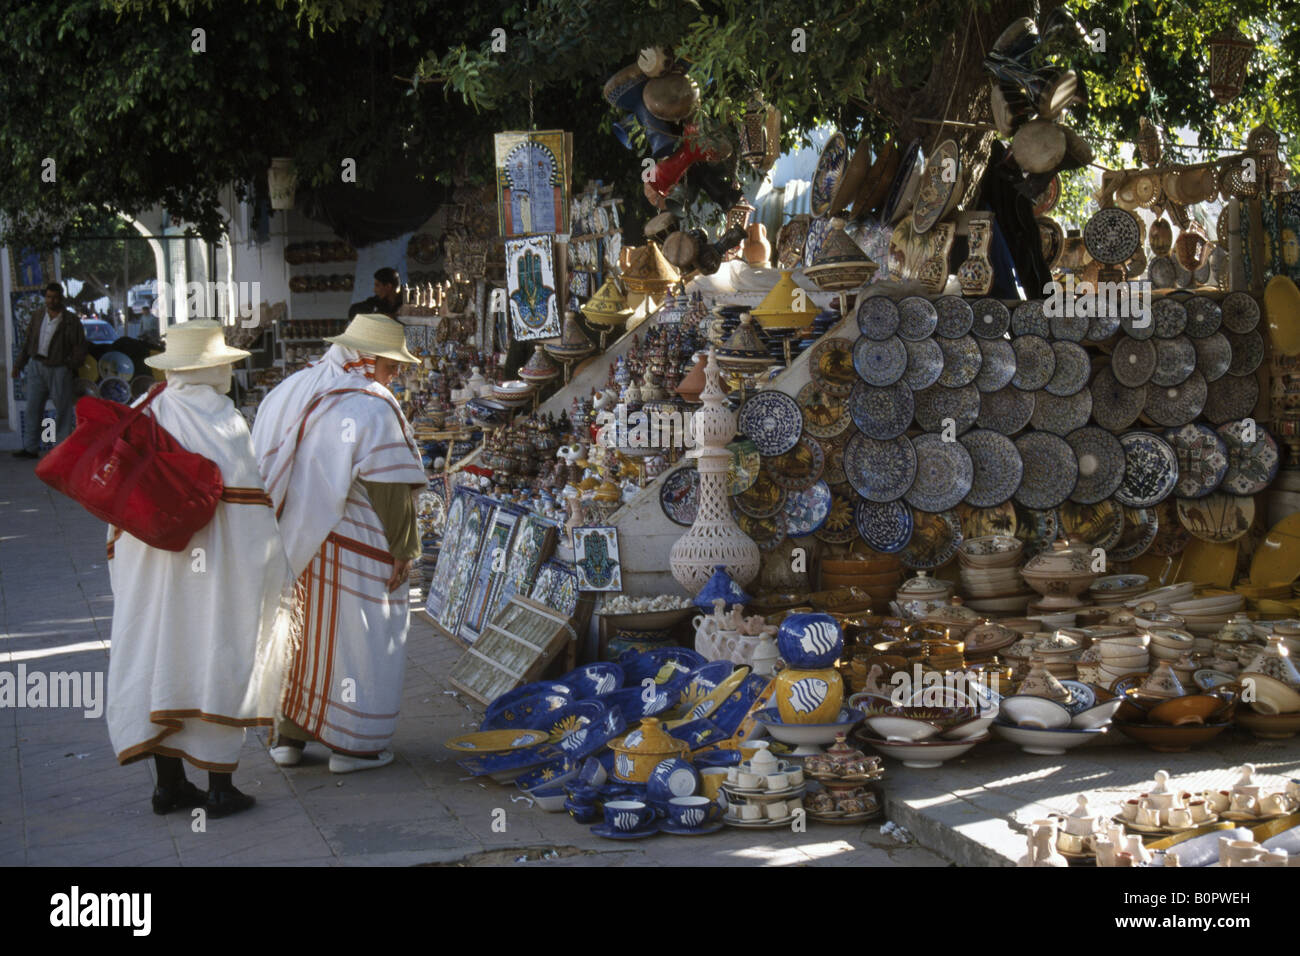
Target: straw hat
[(197, 344), (376, 335)]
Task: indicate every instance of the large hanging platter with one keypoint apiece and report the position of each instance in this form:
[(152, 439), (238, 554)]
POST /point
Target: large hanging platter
[(918, 317), (1132, 361), (679, 496), (1202, 459), (996, 468), (880, 362), (831, 366), (1252, 465), (1204, 316), (830, 169), (800, 467), (1112, 235), (997, 365), (1050, 470), (1114, 406), (1231, 398), (992, 319), (924, 363), (1217, 518), (943, 474), (1007, 410), (1101, 464), (1213, 356), (940, 179), (1100, 524), (772, 420), (1141, 526), (938, 405), (1035, 362), (962, 359), (1060, 416), (1030, 318), (806, 511), (882, 413), (934, 542), (764, 498), (880, 471), (1150, 470), (1175, 361), (877, 316), (955, 316), (824, 415), (1073, 368), (885, 526), (1177, 404)]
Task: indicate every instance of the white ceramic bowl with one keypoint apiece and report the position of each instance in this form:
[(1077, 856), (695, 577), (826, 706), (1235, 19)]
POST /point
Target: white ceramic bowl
[(1046, 742), (902, 728), (1096, 717), (925, 754), (974, 727), (1038, 712)]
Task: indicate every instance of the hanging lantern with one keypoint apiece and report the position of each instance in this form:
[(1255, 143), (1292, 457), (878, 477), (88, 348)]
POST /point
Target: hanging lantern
[(282, 182), (1229, 54), (760, 134)]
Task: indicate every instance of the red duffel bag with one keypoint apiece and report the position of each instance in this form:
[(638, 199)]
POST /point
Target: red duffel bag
[(124, 468)]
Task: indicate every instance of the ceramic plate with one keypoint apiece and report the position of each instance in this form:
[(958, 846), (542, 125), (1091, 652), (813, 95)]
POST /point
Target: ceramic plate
[(742, 470), (1240, 312), (1112, 235), (996, 467), (943, 474), (962, 359), (818, 230), (831, 366), (1133, 361), (830, 168), (1060, 416), (1202, 459), (1007, 410), (1045, 201), (115, 390), (839, 527), (882, 412), (833, 473), (1177, 404), (1115, 406), (1069, 326), (1101, 464), (935, 405), (1213, 356), (1140, 529), (1073, 368), (1030, 318), (1204, 316), (1217, 518), (997, 365), (1099, 524), (679, 495), (1252, 466), (885, 527), (955, 316), (924, 363), (935, 540), (767, 533), (1175, 360), (1050, 470), (497, 741), (1162, 273), (1247, 352), (982, 522), (1150, 470), (941, 177), (1103, 326), (878, 317), (116, 365), (824, 415), (764, 498), (880, 470), (800, 467), (918, 317), (992, 319), (772, 420), (1231, 398), (1169, 317), (1035, 362), (880, 362), (806, 511), (1141, 327), (899, 199), (1036, 528), (1172, 537)]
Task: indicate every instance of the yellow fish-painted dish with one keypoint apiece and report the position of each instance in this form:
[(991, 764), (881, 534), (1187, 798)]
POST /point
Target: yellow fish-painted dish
[(497, 741), (705, 705)]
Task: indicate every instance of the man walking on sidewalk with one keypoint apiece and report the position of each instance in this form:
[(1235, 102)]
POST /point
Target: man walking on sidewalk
[(57, 344)]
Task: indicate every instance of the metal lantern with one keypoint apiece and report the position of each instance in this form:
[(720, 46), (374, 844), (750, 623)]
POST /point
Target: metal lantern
[(1229, 53), (282, 182), (760, 134)]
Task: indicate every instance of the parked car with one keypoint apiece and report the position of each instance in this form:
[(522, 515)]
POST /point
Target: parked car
[(99, 332)]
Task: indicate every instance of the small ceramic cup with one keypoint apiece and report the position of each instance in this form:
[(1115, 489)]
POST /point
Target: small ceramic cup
[(1271, 803), (1219, 800), (1199, 809), (692, 812), (1180, 818), (795, 776), (1070, 842), (778, 781), (1243, 803), (750, 781), (750, 811), (1148, 817), (628, 815), (1130, 810), (777, 810)]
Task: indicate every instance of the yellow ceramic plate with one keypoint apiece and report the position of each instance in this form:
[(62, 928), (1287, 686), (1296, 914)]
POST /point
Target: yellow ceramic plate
[(1281, 306), (497, 741), (1277, 559), (698, 707), (1153, 566), (89, 369), (1208, 562)]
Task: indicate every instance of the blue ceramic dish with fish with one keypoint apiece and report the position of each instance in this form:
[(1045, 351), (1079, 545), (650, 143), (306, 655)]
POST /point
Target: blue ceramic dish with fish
[(593, 680)]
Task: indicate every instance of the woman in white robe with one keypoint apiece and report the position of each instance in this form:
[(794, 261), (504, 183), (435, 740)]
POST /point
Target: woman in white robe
[(201, 637)]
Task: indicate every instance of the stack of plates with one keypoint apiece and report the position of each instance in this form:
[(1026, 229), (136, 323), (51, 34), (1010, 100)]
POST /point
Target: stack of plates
[(990, 576), (1207, 615), (1116, 588), (1121, 656), (1165, 596)]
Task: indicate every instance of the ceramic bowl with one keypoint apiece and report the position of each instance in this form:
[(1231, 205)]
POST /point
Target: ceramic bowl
[(974, 727), (1048, 742), (800, 734), (1098, 715), (635, 706), (902, 728), (924, 754), (1165, 739), (1269, 726), (1271, 695), (674, 777), (1034, 712), (594, 680), (521, 711), (638, 666), (1190, 709), (550, 797)]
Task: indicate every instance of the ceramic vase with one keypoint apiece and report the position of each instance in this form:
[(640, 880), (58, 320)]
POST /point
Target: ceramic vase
[(757, 251), (810, 641), (976, 273), (809, 696)]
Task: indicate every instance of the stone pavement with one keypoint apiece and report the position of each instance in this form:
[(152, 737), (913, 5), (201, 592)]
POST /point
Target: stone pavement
[(64, 801)]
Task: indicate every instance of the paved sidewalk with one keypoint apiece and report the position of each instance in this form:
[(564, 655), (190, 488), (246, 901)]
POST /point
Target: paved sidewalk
[(64, 801)]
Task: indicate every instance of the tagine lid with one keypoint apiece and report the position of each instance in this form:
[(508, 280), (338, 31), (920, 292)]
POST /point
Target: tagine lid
[(780, 300), (924, 587), (650, 738), (1062, 558), (721, 587), (1163, 682)]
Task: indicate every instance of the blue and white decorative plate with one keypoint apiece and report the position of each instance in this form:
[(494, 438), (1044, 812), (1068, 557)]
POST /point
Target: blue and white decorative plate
[(1240, 312), (1213, 356), (1115, 406), (882, 413), (1204, 315), (1081, 696), (924, 364), (962, 359), (568, 720), (1175, 361), (1168, 316), (879, 362), (878, 317), (1252, 466), (679, 495), (1060, 416), (1069, 326), (1179, 404), (1030, 318), (669, 666), (1050, 470), (1132, 361), (1007, 410), (996, 468), (1104, 326), (1202, 459), (830, 168), (1112, 235), (992, 319), (1247, 353), (880, 470), (594, 680), (955, 316), (1101, 464), (772, 420), (1035, 362), (1150, 470), (1230, 398), (917, 317), (1073, 368), (997, 365), (943, 474), (806, 511), (937, 405), (885, 526), (521, 711)]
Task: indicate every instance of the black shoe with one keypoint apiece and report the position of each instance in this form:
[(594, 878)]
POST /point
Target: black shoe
[(183, 796), (224, 803), (24, 453)]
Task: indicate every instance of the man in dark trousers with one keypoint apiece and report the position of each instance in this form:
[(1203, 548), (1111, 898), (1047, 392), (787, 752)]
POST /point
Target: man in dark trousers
[(57, 342), (385, 301)]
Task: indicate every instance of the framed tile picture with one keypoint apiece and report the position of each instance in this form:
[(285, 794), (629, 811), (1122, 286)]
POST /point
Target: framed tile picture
[(595, 558), (530, 289), (532, 173)]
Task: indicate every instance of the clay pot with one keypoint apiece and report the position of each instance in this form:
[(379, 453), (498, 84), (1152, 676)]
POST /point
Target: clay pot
[(757, 251)]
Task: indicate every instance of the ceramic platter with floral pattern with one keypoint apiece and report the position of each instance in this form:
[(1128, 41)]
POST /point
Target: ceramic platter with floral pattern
[(1101, 464), (1175, 361), (1037, 528), (824, 415), (1240, 312), (877, 316), (1213, 356), (982, 522), (1114, 406), (1099, 524), (934, 542), (798, 468), (833, 473), (807, 510), (1168, 317), (764, 498), (924, 364), (839, 527), (885, 526), (940, 179), (1217, 518), (1139, 325), (955, 316), (917, 316), (1073, 368), (1204, 316), (679, 495), (996, 467), (1247, 352), (1176, 404), (1060, 416), (1252, 465), (1035, 362), (1030, 318), (818, 230), (997, 365), (790, 241), (936, 406), (830, 169), (1231, 398), (882, 413), (1172, 537), (1112, 235), (1150, 470), (1141, 525), (831, 366), (1202, 459), (772, 420), (962, 359), (1007, 410), (880, 362), (1071, 325), (742, 470), (1132, 361), (880, 471), (943, 474), (992, 319), (767, 533), (1050, 470)]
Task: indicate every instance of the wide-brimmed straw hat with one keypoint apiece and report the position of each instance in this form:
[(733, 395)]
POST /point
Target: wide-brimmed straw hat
[(376, 335), (200, 343)]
